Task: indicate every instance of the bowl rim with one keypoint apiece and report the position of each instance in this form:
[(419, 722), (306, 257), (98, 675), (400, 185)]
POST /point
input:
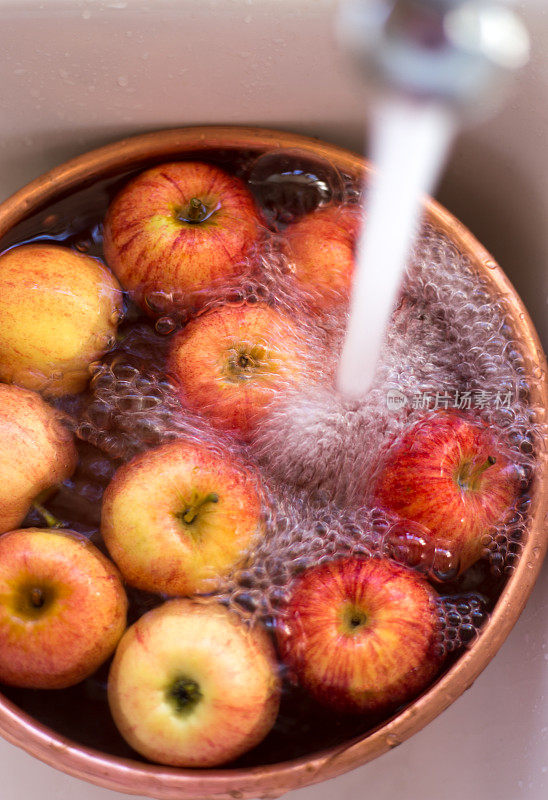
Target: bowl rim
[(167, 783)]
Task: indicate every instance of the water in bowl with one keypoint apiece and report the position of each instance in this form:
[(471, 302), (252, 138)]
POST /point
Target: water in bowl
[(449, 345)]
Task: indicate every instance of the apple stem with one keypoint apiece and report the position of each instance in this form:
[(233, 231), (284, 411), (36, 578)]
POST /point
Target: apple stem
[(191, 512), (469, 475), (37, 597), (245, 362), (479, 470), (49, 519), (197, 211)]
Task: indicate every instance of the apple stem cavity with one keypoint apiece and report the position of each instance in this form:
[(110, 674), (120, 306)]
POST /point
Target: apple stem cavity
[(189, 514), (469, 477), (246, 363), (353, 619), (31, 601), (184, 693)]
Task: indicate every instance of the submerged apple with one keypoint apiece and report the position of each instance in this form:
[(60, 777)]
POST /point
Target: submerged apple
[(232, 362), (192, 686), (452, 474), (177, 518), (177, 228), (36, 454), (62, 608), (359, 635), (59, 311), (321, 248)]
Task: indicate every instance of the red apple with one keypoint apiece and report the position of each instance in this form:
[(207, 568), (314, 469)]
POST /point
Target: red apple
[(59, 311), (36, 453), (192, 686), (232, 362), (321, 248), (177, 518), (177, 228), (359, 635), (452, 474), (62, 608)]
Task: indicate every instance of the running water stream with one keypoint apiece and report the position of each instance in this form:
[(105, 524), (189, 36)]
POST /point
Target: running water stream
[(410, 142)]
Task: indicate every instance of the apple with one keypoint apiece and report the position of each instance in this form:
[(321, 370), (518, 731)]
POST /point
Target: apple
[(191, 685), (177, 228), (37, 452), (177, 518), (360, 635), (232, 362), (62, 608), (452, 474), (59, 311), (321, 248)]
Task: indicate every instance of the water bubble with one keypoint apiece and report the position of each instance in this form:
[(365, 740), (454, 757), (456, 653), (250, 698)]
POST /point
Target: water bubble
[(411, 544), (83, 245), (165, 325), (461, 618), (445, 565), (159, 302), (290, 183)]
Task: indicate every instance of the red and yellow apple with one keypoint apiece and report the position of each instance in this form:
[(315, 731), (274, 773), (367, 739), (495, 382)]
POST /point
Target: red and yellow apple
[(452, 474), (179, 227), (59, 311), (359, 635), (321, 248), (232, 362), (37, 452), (62, 608), (177, 518), (192, 686)]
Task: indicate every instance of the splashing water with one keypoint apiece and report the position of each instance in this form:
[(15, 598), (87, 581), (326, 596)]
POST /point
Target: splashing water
[(409, 146)]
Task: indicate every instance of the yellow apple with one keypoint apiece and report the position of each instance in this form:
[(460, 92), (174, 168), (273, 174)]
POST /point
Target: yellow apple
[(62, 608), (59, 311), (37, 452), (192, 686), (177, 518)]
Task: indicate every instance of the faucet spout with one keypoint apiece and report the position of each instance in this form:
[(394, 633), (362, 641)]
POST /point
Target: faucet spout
[(460, 53)]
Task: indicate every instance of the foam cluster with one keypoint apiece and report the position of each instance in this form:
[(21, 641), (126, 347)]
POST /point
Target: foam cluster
[(450, 345)]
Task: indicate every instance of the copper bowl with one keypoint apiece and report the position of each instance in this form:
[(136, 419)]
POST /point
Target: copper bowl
[(134, 777)]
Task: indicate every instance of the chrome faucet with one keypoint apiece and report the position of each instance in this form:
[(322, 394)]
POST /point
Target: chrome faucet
[(459, 53)]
